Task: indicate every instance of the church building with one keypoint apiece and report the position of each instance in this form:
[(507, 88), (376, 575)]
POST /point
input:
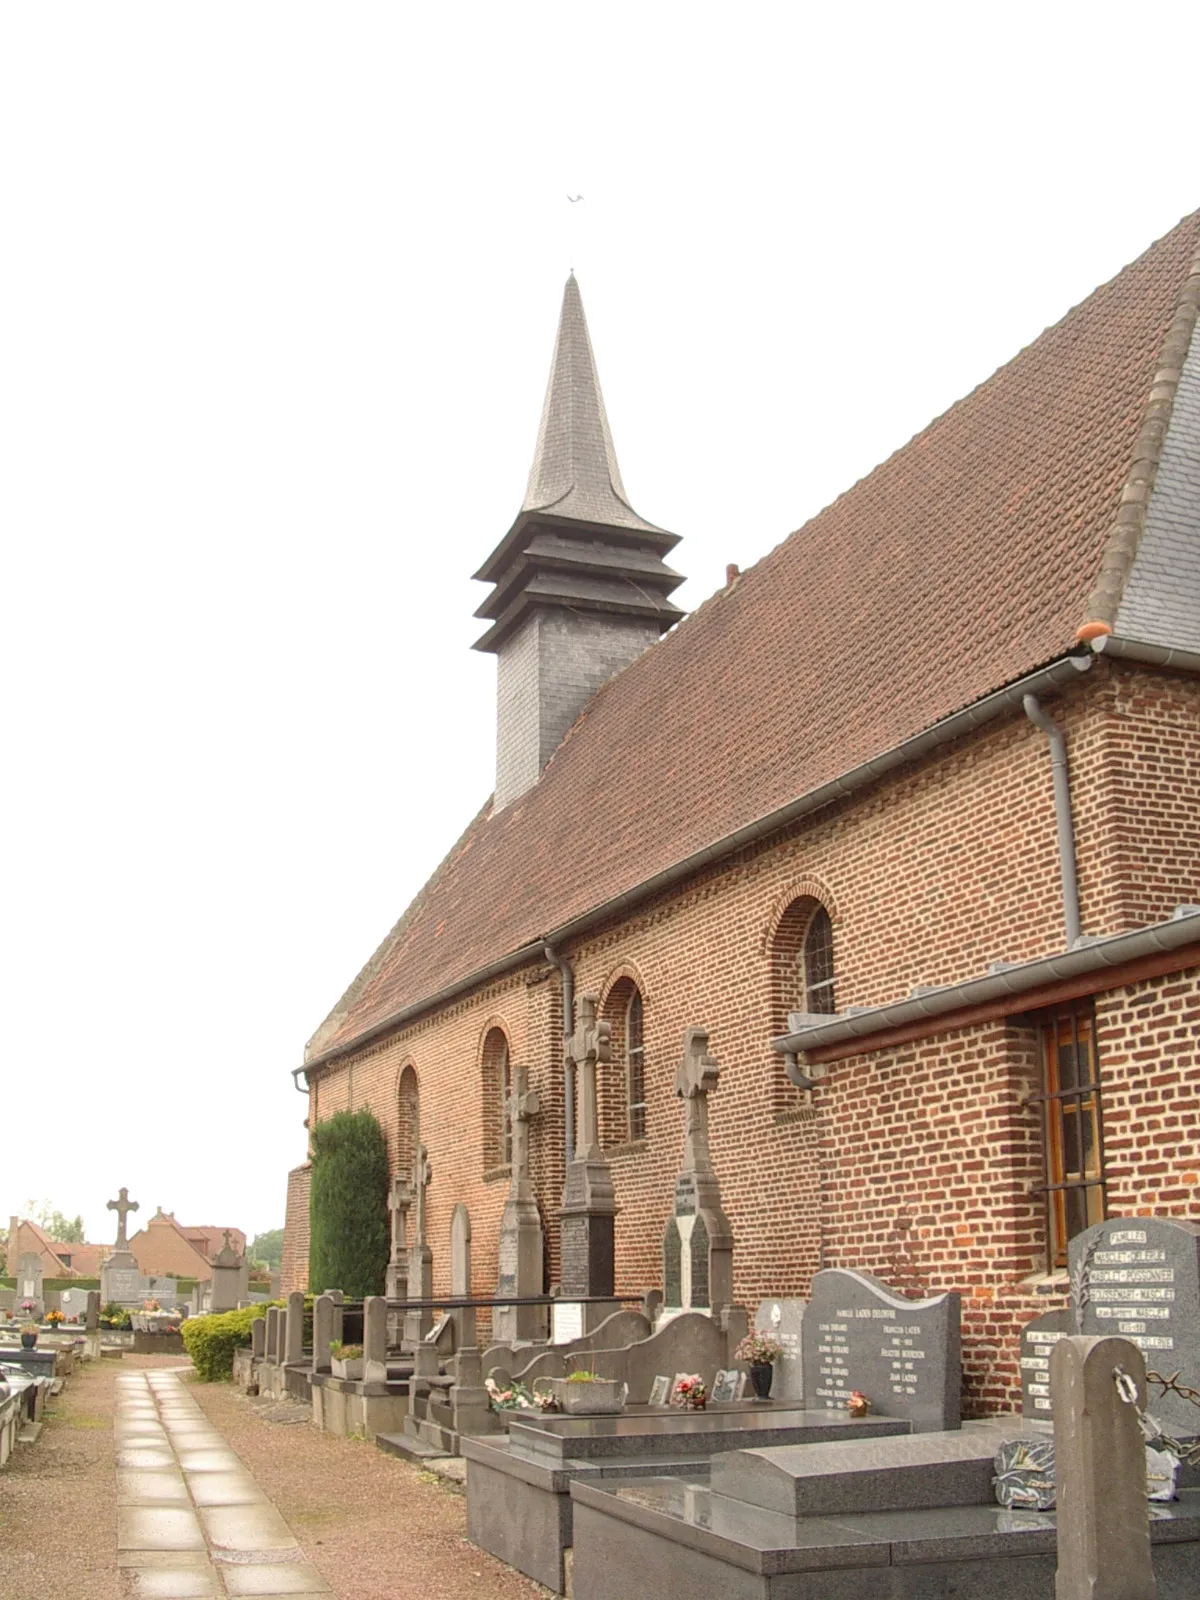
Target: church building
[(906, 817)]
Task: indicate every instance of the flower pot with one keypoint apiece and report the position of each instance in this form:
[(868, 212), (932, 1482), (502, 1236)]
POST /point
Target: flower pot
[(594, 1397), (352, 1370), (761, 1373), (28, 1340)]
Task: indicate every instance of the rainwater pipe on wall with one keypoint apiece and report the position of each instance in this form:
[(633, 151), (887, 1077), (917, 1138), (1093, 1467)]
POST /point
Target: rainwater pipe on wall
[(568, 1025), (1062, 814)]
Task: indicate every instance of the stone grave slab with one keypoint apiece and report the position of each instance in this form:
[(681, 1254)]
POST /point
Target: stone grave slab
[(904, 1355), (784, 1320), (1038, 1338), (1139, 1278)]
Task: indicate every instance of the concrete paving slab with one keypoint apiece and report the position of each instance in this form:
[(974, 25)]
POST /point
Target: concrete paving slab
[(157, 1528), (278, 1578), (226, 1489), (160, 1486), (162, 1456), (201, 1460), (163, 1558), (172, 1583), (257, 1527)]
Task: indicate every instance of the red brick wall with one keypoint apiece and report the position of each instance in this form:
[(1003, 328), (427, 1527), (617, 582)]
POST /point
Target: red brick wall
[(293, 1269), (915, 1163)]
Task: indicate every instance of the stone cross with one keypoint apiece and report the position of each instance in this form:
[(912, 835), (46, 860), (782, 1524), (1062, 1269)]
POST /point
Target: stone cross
[(695, 1078), (399, 1200), (422, 1176), (590, 1045), (523, 1105), (228, 1240), (122, 1205)]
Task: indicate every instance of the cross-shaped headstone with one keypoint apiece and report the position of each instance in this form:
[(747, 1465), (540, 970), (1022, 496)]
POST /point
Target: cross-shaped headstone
[(122, 1205), (399, 1200), (422, 1175), (695, 1078), (523, 1105), (589, 1045)]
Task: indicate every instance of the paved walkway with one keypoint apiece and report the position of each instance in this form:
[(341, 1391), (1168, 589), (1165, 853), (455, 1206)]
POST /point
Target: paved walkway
[(192, 1522)]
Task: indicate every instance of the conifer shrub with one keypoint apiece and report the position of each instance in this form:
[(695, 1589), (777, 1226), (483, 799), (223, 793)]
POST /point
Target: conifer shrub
[(348, 1220), (211, 1341)]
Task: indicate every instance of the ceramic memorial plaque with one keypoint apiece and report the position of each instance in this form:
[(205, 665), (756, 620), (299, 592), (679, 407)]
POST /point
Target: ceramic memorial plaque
[(904, 1355), (1139, 1278), (660, 1390)]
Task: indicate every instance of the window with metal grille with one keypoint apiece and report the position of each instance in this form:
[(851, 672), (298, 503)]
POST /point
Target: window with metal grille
[(1074, 1137), (635, 1068), (817, 959)]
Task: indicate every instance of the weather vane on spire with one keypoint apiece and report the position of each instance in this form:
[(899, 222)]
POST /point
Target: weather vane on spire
[(573, 200)]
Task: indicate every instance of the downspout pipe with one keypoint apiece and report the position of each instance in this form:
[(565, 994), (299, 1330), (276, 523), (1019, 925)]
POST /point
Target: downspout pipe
[(300, 1088), (567, 973), (1062, 814)]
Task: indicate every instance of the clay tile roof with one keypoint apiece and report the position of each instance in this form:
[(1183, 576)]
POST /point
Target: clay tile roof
[(965, 560)]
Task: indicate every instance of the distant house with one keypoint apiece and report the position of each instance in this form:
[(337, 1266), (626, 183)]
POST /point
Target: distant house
[(164, 1248)]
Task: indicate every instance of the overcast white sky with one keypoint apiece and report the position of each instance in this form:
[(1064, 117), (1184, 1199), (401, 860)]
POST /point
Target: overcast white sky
[(278, 288)]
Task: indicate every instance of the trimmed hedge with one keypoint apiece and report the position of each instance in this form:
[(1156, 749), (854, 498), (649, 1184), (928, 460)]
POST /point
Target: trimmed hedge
[(348, 1216), (211, 1341)]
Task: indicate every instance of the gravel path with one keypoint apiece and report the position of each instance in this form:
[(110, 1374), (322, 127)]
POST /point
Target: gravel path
[(374, 1526)]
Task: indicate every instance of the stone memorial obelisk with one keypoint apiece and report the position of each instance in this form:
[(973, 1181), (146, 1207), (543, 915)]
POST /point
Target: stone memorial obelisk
[(521, 1241), (698, 1243), (230, 1277), (589, 1207), (120, 1276), (399, 1201), (417, 1323)]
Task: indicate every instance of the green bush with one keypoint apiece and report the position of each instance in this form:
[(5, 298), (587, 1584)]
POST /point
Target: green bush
[(348, 1221), (211, 1341)]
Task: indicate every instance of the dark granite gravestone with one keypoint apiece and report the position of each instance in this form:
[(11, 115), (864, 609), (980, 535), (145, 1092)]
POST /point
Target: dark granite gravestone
[(904, 1355), (1139, 1278), (589, 1207), (1038, 1338), (784, 1320)]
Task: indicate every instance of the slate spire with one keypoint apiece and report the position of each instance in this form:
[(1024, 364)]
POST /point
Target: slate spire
[(581, 588)]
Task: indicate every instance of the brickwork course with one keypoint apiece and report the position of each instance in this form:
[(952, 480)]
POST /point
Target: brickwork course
[(835, 728)]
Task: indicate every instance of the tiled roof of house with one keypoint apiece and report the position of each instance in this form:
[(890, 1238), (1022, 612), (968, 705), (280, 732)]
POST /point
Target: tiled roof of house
[(162, 1247), (965, 560)]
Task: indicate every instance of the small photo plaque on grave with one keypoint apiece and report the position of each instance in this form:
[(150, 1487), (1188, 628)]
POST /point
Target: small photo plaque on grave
[(660, 1390), (728, 1386)]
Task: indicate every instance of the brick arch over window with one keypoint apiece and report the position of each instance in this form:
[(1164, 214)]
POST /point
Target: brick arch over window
[(495, 1074), (408, 1117), (623, 1084)]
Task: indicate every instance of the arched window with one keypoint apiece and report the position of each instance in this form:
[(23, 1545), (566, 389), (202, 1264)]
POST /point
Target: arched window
[(497, 1087), (817, 964), (407, 1120), (623, 1087)]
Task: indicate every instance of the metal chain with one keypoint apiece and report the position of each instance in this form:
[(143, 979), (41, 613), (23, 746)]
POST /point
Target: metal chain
[(1150, 1426)]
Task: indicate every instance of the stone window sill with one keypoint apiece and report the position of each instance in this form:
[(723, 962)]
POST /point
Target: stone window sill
[(1057, 1282), (497, 1174), (631, 1147)]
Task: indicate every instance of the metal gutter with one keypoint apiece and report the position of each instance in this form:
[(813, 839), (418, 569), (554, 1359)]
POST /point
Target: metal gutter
[(1155, 655), (1114, 951), (1065, 670)]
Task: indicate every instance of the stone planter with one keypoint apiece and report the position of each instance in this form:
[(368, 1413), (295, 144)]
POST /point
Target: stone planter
[(761, 1374), (595, 1397), (28, 1340), (351, 1370)]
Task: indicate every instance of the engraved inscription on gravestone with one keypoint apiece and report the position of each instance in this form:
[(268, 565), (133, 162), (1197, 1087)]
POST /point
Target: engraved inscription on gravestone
[(506, 1274), (1038, 1338), (784, 1320), (904, 1355), (1139, 1278)]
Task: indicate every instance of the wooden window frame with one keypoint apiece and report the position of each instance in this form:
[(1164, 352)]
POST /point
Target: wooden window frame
[(1068, 1098)]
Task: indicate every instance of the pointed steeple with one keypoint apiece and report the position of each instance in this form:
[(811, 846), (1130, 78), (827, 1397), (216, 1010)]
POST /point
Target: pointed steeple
[(581, 588), (575, 471)]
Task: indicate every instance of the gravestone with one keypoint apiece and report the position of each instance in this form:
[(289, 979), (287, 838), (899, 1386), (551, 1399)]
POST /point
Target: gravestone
[(589, 1207), (904, 1355), (121, 1281), (522, 1245), (1038, 1339), (698, 1243), (1138, 1278), (29, 1283), (73, 1303), (460, 1274), (420, 1258), (784, 1320), (399, 1201), (230, 1278)]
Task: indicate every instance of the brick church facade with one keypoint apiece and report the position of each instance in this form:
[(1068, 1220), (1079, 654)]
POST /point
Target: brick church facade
[(907, 816)]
